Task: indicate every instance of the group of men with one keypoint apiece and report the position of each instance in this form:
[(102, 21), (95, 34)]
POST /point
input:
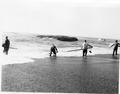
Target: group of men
[(85, 47), (54, 51)]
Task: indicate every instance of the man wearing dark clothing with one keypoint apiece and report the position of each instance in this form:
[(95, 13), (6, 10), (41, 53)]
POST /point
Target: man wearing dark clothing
[(115, 49), (53, 50), (6, 45)]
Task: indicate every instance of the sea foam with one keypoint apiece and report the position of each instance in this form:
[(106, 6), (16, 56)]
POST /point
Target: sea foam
[(24, 48)]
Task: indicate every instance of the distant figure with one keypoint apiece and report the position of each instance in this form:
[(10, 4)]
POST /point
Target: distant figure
[(6, 45), (53, 50), (115, 49), (85, 48)]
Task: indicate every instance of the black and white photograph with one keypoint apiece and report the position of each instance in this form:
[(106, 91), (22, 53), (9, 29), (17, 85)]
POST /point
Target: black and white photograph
[(59, 46)]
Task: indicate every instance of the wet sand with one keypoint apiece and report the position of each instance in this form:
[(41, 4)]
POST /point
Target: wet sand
[(94, 74)]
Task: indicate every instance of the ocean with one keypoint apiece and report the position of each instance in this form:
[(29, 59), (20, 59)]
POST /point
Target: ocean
[(26, 47)]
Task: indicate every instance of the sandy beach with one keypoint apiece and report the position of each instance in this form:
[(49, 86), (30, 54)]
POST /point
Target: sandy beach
[(94, 74)]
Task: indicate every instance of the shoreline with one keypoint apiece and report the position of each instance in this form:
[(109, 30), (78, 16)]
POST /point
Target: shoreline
[(26, 55), (32, 60), (94, 74)]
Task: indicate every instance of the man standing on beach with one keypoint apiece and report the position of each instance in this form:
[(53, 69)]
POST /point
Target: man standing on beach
[(85, 47), (53, 50), (6, 45), (115, 49)]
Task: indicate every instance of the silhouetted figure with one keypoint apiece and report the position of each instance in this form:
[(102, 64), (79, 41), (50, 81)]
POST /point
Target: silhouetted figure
[(53, 50), (85, 48), (115, 49), (6, 45)]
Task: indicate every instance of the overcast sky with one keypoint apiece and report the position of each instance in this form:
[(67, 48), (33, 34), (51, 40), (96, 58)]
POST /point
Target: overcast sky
[(89, 18)]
